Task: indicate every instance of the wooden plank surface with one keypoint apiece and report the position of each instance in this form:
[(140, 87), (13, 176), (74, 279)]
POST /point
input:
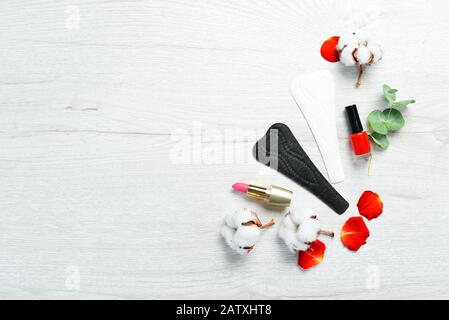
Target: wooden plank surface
[(97, 97)]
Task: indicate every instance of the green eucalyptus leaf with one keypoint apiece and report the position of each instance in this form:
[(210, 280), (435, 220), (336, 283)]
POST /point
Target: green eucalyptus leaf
[(400, 105), (380, 139), (393, 119), (376, 120), (389, 93)]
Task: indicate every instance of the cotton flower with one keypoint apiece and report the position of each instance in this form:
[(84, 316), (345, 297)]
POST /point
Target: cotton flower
[(246, 236), (375, 50), (357, 49), (241, 230), (346, 56), (228, 234), (363, 55), (300, 228), (299, 215), (287, 232), (364, 51), (352, 49)]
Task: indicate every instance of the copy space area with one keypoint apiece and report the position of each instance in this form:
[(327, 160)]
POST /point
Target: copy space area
[(123, 125)]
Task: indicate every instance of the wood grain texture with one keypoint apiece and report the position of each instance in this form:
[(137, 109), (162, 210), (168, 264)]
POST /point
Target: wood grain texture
[(93, 91)]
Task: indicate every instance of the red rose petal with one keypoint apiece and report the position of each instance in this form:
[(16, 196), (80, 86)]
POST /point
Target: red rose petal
[(354, 233), (313, 256), (370, 205), (329, 49)]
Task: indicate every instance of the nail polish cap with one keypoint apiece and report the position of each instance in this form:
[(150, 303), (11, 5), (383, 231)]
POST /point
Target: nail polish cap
[(354, 119)]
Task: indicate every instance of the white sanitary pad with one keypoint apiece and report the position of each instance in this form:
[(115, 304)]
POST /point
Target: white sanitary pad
[(315, 95)]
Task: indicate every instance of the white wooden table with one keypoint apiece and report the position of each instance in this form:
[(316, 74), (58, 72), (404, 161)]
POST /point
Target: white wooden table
[(96, 95)]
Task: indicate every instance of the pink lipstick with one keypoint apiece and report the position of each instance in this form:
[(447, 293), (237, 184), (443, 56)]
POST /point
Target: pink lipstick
[(272, 195)]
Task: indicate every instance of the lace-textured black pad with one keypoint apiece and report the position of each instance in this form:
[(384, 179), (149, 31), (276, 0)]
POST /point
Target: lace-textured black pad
[(291, 160)]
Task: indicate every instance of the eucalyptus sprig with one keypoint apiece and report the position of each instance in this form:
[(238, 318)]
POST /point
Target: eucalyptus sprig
[(388, 120)]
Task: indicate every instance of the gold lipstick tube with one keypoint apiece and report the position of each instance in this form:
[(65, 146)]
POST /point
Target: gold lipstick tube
[(273, 195)]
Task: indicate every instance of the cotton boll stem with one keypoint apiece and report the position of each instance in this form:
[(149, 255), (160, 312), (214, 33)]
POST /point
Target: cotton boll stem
[(326, 232), (256, 219), (268, 224), (358, 82), (258, 223)]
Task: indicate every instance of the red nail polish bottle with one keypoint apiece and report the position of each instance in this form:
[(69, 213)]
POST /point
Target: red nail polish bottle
[(359, 137)]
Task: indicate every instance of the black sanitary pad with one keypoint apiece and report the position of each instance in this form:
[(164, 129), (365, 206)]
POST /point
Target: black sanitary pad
[(291, 160)]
